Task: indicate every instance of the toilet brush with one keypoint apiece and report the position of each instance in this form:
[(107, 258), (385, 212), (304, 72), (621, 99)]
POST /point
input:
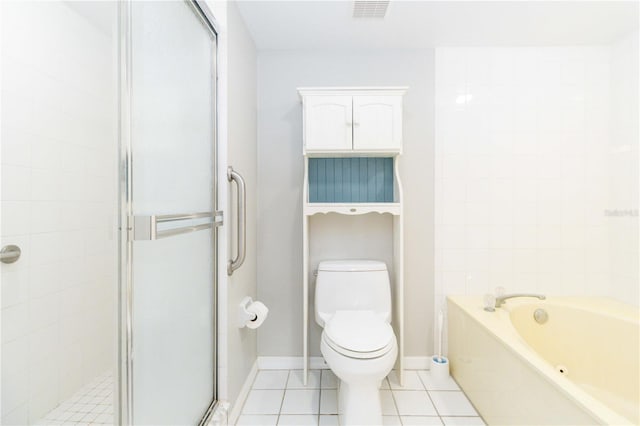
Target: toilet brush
[(439, 364), (440, 324)]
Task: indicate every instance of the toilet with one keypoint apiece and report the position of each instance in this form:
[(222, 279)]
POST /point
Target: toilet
[(353, 306)]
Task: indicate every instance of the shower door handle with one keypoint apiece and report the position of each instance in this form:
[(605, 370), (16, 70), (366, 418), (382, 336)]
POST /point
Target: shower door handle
[(235, 263), (146, 227)]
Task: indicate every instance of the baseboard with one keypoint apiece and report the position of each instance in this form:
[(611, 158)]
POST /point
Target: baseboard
[(317, 363), (417, 362), (236, 407), (290, 363)]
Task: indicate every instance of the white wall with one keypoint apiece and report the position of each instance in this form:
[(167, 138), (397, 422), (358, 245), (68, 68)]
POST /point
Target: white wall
[(242, 155), (624, 162), (237, 147), (522, 171), (280, 165), (59, 183), (335, 236)]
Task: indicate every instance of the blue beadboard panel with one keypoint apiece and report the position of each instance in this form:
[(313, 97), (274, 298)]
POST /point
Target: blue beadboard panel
[(351, 180)]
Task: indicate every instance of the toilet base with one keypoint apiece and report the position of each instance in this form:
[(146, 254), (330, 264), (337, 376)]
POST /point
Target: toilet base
[(359, 404)]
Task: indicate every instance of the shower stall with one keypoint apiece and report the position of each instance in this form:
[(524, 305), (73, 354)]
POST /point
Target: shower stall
[(109, 217)]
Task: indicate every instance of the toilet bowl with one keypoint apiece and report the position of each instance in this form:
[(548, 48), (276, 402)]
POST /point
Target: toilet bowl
[(353, 305), (360, 360)]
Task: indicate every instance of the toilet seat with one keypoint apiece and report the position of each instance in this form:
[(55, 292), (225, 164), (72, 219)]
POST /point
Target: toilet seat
[(359, 334)]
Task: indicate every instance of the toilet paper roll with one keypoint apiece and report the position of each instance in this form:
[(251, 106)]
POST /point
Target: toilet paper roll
[(261, 312)]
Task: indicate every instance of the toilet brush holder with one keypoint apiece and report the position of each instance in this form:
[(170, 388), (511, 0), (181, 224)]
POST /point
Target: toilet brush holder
[(439, 367)]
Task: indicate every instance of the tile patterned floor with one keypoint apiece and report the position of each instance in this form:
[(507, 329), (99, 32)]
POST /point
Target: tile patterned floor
[(91, 405), (278, 397)]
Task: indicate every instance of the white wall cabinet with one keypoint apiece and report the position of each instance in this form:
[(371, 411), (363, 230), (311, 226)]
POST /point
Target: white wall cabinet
[(377, 123), (328, 123), (352, 120)]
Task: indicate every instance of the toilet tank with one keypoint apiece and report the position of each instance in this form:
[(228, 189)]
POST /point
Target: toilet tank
[(352, 285)]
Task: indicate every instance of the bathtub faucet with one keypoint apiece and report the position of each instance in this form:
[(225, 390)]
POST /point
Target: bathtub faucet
[(501, 299)]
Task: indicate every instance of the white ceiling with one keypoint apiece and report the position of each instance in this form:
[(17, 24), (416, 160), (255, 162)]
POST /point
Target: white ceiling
[(420, 24)]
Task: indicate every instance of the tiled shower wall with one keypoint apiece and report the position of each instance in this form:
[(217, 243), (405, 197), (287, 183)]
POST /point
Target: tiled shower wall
[(522, 171), (624, 159), (59, 164)]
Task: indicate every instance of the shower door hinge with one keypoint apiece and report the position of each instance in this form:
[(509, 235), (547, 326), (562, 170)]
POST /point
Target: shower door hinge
[(218, 218)]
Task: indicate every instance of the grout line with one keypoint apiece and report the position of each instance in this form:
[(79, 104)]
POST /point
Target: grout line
[(319, 397), (284, 393), (393, 398)]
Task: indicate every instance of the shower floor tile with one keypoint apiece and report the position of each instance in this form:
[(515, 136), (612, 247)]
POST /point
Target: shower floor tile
[(91, 405)]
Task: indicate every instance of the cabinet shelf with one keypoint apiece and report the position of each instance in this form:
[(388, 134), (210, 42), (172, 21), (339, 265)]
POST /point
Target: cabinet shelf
[(311, 209)]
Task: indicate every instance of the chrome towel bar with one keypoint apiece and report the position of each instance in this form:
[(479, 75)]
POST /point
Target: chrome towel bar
[(232, 265)]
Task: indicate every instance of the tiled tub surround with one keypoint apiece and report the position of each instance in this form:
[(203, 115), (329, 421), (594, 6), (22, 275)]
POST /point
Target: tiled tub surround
[(522, 173), (624, 160), (278, 397), (579, 367), (59, 181)]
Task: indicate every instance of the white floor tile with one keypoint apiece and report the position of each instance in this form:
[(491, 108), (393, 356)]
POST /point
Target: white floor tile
[(450, 403), (89, 417), (301, 401), (463, 421), (391, 421), (76, 417), (388, 405), (106, 419), (328, 401), (421, 421), (263, 402), (256, 420), (413, 403), (298, 420), (281, 392), (295, 380), (87, 405), (411, 380), (271, 379), (328, 420), (329, 380), (432, 384)]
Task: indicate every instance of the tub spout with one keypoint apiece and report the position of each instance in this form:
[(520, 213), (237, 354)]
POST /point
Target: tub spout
[(500, 300)]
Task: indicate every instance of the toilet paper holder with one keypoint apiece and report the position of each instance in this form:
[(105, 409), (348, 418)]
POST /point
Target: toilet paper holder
[(247, 315), (243, 314)]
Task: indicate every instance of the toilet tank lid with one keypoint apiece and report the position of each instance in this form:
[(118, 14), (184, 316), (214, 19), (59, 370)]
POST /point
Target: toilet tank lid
[(352, 265)]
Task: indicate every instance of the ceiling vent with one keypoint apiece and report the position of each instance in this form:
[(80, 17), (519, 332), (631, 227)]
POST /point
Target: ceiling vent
[(370, 8)]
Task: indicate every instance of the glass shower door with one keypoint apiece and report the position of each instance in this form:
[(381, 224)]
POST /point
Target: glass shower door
[(172, 201)]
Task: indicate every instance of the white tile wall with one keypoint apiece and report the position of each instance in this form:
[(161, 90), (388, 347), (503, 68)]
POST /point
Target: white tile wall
[(624, 157), (58, 192), (522, 172)]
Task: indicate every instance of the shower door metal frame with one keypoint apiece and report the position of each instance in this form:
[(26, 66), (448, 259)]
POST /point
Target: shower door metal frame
[(124, 401)]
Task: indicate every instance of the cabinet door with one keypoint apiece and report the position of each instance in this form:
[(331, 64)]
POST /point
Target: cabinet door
[(377, 122), (328, 123)]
